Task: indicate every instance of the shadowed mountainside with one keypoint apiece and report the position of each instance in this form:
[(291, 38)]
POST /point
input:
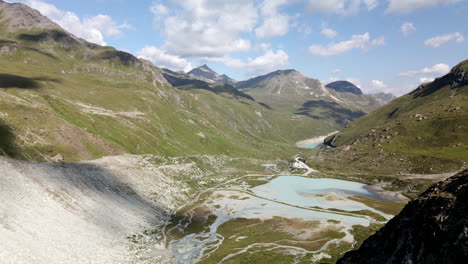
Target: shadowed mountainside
[(431, 229)]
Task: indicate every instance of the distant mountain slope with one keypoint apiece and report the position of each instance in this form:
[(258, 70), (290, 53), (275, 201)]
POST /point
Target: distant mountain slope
[(384, 97), (430, 229), (432, 121), (289, 89), (344, 87), (206, 74), (63, 98), (186, 82)]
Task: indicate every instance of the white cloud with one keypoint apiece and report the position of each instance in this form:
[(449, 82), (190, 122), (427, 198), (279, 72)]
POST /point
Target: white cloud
[(273, 27), (163, 60), (264, 46), (379, 85), (274, 23), (407, 6), (328, 32), (266, 63), (336, 71), (203, 28), (407, 28), (380, 41), (356, 42), (440, 69), (342, 7), (92, 29), (426, 79), (438, 41), (159, 11)]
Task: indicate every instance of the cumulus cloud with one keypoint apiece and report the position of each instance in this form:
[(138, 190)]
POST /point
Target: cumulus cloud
[(378, 85), (328, 32), (159, 11), (438, 41), (342, 7), (440, 69), (380, 41), (407, 6), (161, 59), (274, 23), (268, 62), (356, 42), (407, 28), (209, 29), (92, 29)]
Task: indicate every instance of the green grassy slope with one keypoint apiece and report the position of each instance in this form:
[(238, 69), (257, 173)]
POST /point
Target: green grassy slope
[(431, 121), (65, 99)]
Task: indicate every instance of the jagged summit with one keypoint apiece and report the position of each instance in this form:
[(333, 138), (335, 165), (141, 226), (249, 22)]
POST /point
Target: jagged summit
[(206, 74), (16, 16), (344, 87)]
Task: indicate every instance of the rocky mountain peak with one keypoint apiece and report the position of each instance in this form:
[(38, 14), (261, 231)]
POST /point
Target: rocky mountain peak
[(18, 16), (206, 74), (344, 87)]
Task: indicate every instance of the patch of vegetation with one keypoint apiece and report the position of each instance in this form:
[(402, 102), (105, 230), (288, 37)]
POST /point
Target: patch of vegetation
[(387, 207)]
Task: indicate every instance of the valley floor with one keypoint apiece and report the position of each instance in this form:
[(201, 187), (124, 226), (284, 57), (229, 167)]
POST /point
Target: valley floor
[(134, 209)]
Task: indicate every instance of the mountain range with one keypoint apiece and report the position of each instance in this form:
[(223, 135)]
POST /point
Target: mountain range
[(64, 98), (206, 74), (106, 158)]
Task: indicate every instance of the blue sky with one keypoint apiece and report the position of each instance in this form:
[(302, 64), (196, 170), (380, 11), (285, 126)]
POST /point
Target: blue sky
[(380, 45)]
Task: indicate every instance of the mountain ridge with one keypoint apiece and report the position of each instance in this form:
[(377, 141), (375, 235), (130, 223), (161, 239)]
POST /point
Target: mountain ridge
[(208, 75), (301, 95), (65, 99), (344, 87)]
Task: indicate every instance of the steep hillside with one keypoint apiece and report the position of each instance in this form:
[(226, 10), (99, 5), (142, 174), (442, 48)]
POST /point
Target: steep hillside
[(290, 90), (430, 229), (206, 74), (63, 98), (431, 121)]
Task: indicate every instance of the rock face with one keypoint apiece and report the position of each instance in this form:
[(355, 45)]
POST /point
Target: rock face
[(19, 16), (206, 74), (344, 87), (431, 229)]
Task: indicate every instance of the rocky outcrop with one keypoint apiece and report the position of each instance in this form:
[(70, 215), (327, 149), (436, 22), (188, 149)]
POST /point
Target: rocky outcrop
[(344, 87), (19, 16), (431, 229), (456, 78), (459, 75)]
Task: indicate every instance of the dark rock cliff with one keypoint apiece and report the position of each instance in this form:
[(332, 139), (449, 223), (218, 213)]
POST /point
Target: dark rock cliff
[(431, 229)]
